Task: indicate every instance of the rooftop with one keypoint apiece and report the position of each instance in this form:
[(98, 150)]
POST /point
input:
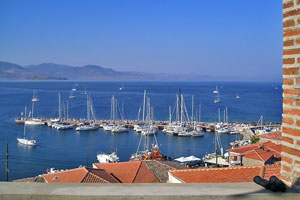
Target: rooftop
[(227, 174), (129, 172), (271, 135), (77, 175), (269, 146)]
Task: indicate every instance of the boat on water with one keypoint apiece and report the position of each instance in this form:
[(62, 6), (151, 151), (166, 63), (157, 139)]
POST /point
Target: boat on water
[(90, 124), (122, 87), (108, 158), (71, 95), (184, 134), (216, 91), (26, 140), (74, 88), (197, 133), (119, 129), (153, 154), (237, 95), (34, 97), (32, 120), (218, 99)]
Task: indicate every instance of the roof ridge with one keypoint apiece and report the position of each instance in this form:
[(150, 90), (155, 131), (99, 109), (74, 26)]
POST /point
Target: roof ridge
[(137, 171), (164, 164)]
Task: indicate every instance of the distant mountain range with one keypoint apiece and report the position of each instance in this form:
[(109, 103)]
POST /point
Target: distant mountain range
[(52, 71)]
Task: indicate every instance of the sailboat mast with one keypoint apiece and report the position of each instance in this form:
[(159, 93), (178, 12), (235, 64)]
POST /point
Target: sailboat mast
[(170, 114), (25, 115), (200, 112), (181, 109), (32, 109), (67, 109), (219, 115), (88, 108), (144, 105), (59, 106), (192, 107)]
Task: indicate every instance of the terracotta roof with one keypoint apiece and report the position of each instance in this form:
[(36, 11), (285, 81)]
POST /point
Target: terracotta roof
[(258, 154), (80, 175), (269, 146), (271, 135), (129, 172), (228, 174)]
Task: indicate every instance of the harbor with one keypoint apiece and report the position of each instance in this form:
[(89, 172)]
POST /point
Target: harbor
[(70, 148)]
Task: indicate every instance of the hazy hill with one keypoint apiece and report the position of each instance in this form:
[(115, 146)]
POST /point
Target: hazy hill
[(12, 71)]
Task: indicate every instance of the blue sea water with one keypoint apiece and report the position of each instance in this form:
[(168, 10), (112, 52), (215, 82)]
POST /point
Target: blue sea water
[(69, 149)]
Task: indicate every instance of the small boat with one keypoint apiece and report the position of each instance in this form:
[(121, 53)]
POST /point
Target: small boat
[(87, 126), (108, 158), (197, 134), (218, 99), (216, 91), (34, 97), (71, 95), (85, 91), (34, 122), (74, 88), (184, 134), (122, 87), (26, 140), (119, 129), (237, 94)]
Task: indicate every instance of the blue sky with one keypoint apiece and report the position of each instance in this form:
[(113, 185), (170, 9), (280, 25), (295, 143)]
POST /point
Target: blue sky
[(228, 38)]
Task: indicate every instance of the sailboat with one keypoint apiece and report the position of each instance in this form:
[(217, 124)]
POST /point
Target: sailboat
[(34, 97), (237, 94), (89, 125), (218, 100), (85, 91), (34, 121), (114, 111), (74, 88), (26, 140), (122, 87), (71, 95), (216, 91)]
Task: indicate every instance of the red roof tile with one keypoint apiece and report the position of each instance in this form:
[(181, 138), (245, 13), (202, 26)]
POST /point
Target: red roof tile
[(267, 146), (80, 175), (129, 172), (258, 154), (271, 135), (229, 174)]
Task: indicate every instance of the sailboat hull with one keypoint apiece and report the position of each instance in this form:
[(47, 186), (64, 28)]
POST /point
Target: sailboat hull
[(26, 141)]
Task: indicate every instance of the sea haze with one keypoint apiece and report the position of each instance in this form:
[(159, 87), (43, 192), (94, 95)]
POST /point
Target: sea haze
[(69, 149)]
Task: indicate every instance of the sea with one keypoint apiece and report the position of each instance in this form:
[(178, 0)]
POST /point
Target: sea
[(70, 149)]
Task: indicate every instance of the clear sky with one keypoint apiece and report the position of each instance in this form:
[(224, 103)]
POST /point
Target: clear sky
[(239, 38)]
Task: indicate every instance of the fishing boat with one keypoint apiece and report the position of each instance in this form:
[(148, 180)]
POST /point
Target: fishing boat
[(216, 91), (26, 140), (89, 125), (108, 158)]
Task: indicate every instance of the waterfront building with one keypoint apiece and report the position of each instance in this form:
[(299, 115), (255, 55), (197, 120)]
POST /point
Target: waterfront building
[(261, 153)]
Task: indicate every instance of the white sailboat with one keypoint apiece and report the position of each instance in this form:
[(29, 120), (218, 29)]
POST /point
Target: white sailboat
[(34, 97), (26, 140), (237, 95), (216, 91), (71, 95), (34, 121), (218, 99), (89, 125), (74, 88), (122, 87)]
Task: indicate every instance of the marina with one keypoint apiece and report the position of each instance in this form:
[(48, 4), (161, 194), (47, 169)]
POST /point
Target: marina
[(62, 147)]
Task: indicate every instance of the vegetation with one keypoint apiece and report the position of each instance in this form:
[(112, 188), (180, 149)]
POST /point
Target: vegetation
[(254, 139)]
